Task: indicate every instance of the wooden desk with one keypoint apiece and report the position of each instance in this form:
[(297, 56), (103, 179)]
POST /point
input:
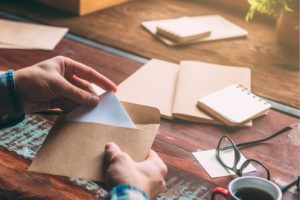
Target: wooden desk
[(174, 142), (275, 70)]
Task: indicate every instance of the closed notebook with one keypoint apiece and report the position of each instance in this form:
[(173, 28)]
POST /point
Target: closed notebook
[(233, 105), (182, 30)]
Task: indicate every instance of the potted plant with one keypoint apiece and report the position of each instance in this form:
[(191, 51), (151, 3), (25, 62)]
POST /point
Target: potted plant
[(287, 14)]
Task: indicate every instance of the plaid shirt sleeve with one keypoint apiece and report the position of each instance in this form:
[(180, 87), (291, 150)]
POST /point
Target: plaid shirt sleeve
[(10, 105), (126, 192)]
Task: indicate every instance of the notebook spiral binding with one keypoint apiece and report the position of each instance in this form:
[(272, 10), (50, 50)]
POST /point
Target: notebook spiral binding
[(169, 34), (243, 89)]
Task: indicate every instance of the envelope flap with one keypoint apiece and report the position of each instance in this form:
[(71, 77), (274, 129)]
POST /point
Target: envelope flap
[(141, 114)]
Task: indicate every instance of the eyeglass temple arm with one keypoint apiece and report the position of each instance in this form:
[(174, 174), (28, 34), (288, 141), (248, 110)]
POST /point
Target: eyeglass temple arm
[(246, 144), (296, 182)]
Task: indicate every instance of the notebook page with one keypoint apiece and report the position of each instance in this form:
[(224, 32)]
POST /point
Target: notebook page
[(198, 79), (151, 85)]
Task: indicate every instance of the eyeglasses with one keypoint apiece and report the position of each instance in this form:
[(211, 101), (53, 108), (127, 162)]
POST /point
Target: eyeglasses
[(228, 155), (254, 142), (287, 187)]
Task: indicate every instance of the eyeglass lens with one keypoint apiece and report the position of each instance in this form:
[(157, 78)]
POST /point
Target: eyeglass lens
[(227, 155), (260, 170)]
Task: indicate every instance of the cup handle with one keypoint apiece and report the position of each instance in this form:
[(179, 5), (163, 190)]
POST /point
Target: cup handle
[(219, 190)]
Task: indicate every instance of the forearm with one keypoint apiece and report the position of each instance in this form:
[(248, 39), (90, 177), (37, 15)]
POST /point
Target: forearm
[(10, 106)]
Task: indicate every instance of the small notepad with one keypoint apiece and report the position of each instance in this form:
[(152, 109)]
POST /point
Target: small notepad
[(234, 105), (182, 30)]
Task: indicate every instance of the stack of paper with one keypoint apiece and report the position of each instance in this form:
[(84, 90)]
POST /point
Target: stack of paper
[(219, 27), (20, 35)]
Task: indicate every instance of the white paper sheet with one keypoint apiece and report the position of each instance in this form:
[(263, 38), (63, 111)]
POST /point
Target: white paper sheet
[(108, 111), (22, 35), (209, 162)]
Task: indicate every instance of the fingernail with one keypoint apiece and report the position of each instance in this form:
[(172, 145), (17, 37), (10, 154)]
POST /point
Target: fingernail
[(108, 145), (93, 100)]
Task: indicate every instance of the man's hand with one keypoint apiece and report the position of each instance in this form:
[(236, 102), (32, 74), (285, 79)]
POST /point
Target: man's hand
[(47, 84), (147, 175)]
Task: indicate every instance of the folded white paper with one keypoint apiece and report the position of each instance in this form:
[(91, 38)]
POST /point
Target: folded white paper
[(108, 111), (212, 166)]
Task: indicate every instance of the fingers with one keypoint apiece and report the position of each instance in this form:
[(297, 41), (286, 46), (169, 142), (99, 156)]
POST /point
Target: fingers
[(90, 74), (163, 185), (155, 159), (158, 167), (160, 186), (112, 150), (63, 103), (78, 95), (83, 84), (152, 155)]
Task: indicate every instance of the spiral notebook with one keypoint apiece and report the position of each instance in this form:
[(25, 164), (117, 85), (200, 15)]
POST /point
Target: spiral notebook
[(234, 105), (182, 30)]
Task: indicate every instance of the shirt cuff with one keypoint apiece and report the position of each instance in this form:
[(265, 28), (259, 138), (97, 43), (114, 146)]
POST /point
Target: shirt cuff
[(10, 105), (125, 192)]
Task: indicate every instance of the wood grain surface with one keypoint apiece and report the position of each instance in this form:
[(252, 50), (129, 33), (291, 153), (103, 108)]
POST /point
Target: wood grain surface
[(174, 142), (275, 69)]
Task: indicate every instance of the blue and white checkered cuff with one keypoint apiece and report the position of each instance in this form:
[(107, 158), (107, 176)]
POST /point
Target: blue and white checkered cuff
[(10, 104), (126, 192)]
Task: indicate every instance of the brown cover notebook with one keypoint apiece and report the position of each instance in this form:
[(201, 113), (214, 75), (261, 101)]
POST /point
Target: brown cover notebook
[(175, 88)]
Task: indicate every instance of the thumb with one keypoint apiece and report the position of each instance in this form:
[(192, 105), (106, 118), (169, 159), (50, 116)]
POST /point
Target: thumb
[(112, 150), (152, 155), (78, 95), (154, 159)]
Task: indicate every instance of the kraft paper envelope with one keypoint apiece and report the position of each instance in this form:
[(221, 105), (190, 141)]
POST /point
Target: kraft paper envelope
[(77, 148)]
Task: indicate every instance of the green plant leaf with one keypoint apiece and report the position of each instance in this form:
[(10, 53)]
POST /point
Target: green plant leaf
[(272, 8)]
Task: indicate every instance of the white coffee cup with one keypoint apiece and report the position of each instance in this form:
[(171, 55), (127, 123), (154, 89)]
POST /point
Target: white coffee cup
[(249, 182)]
